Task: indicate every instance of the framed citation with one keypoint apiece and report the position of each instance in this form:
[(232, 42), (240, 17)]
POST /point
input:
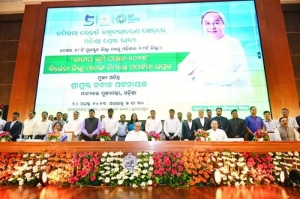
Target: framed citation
[(71, 136)]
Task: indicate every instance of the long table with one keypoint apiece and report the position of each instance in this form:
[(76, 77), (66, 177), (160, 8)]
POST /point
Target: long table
[(155, 146)]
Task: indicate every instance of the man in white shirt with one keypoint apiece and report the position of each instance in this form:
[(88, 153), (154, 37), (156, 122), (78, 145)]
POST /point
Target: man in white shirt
[(74, 124), (216, 134), (2, 121), (179, 116), (136, 134), (42, 126), (270, 124), (110, 124), (284, 132), (153, 124), (291, 121), (230, 66), (30, 125), (172, 126)]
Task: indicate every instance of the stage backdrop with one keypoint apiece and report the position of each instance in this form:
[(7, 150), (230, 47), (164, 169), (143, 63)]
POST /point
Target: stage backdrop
[(143, 57)]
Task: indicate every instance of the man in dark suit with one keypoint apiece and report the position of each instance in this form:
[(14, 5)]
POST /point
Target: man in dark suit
[(14, 127), (298, 122), (222, 121), (188, 128), (202, 122), (236, 127)]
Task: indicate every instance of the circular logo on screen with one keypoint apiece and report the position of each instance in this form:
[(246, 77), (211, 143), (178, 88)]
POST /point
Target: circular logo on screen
[(121, 19)]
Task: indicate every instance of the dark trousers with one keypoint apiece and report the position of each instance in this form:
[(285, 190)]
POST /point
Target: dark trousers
[(121, 138), (86, 138), (113, 138), (40, 137), (28, 136), (172, 134)]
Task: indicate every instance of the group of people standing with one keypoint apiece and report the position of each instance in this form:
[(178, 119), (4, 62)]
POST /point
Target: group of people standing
[(173, 128), (220, 128)]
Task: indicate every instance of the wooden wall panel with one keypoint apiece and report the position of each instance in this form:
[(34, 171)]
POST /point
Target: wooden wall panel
[(298, 88), (4, 99), (25, 77), (291, 19), (274, 44), (11, 17), (281, 84), (10, 28), (296, 67), (8, 50), (291, 15), (294, 38), (7, 72)]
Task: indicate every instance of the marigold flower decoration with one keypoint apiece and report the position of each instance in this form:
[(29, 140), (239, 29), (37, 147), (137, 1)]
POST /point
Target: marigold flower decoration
[(59, 168), (198, 165)]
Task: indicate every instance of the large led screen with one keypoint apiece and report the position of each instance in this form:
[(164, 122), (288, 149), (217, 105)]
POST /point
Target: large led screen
[(135, 58)]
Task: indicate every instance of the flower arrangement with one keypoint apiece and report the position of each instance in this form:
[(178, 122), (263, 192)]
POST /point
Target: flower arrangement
[(261, 135), (103, 136), (153, 136), (169, 169), (58, 168), (110, 168), (55, 137), (26, 169), (5, 136), (285, 162), (141, 174), (199, 166), (8, 163), (232, 166), (85, 169), (202, 135), (260, 168)]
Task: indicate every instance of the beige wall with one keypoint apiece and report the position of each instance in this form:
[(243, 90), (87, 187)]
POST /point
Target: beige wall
[(12, 7)]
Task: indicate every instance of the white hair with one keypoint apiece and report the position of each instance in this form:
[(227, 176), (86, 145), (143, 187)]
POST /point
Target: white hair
[(221, 15)]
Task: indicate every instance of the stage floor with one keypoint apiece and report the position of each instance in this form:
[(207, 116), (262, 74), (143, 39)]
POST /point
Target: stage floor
[(161, 192)]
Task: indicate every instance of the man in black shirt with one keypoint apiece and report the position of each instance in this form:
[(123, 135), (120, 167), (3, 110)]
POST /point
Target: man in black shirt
[(222, 121), (237, 126)]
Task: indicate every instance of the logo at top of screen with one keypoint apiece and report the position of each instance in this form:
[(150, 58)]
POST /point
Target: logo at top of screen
[(121, 19), (130, 18), (105, 20)]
